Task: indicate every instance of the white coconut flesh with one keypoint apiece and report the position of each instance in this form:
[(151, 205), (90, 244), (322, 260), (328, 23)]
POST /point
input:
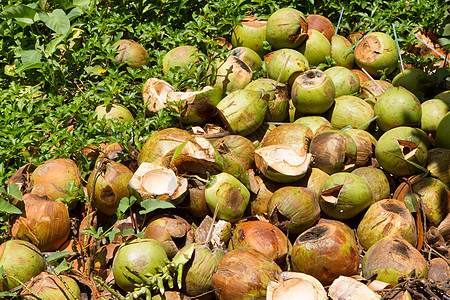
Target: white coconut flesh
[(351, 289), (160, 182), (199, 148), (155, 94), (153, 180), (296, 285), (284, 159)]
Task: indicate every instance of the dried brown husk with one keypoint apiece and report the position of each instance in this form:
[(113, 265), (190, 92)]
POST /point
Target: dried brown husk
[(44, 223)]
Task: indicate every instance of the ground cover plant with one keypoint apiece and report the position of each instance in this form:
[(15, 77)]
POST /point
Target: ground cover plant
[(58, 62)]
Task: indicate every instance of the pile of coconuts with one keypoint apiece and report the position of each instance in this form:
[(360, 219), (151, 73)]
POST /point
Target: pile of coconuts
[(306, 183)]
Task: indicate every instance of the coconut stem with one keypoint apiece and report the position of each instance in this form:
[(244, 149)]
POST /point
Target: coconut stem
[(398, 48), (339, 22), (25, 287), (353, 47), (431, 48), (109, 289), (371, 78)]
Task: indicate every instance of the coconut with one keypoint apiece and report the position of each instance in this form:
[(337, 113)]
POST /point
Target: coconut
[(333, 151), (159, 147), (249, 56), (286, 28), (398, 146), (282, 163), (171, 231), (412, 79), (433, 111), (58, 178), (250, 33), (108, 184), (377, 53), (397, 107), (197, 156), (377, 181), (371, 89), (228, 195), (143, 256), (344, 195), (339, 47), (434, 195), (131, 53), (278, 102), (232, 74), (116, 112), (293, 209), (438, 163), (392, 258), (244, 274), (386, 218), (351, 111), (296, 136), (154, 94), (243, 111), (198, 107), (316, 123), (179, 57), (295, 285), (262, 236), (44, 223), (321, 24), (151, 181), (201, 264), (345, 81), (19, 260), (443, 132), (351, 289), (316, 49), (286, 64), (326, 251), (51, 286), (312, 92), (365, 146), (238, 154)]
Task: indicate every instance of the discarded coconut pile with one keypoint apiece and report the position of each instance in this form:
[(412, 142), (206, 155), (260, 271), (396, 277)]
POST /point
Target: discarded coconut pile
[(308, 184)]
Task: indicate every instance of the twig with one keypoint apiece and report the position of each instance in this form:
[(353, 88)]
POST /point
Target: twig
[(282, 71)]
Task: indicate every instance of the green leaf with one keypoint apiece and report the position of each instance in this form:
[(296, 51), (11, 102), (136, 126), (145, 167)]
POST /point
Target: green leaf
[(63, 266), (57, 255), (8, 208), (30, 56), (29, 66), (150, 205), (7, 294), (74, 13), (18, 11), (14, 191), (126, 203), (51, 46), (411, 201), (56, 21), (82, 3), (113, 233), (444, 43)]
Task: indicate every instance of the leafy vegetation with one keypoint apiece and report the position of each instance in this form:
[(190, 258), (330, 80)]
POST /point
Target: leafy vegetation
[(57, 65)]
